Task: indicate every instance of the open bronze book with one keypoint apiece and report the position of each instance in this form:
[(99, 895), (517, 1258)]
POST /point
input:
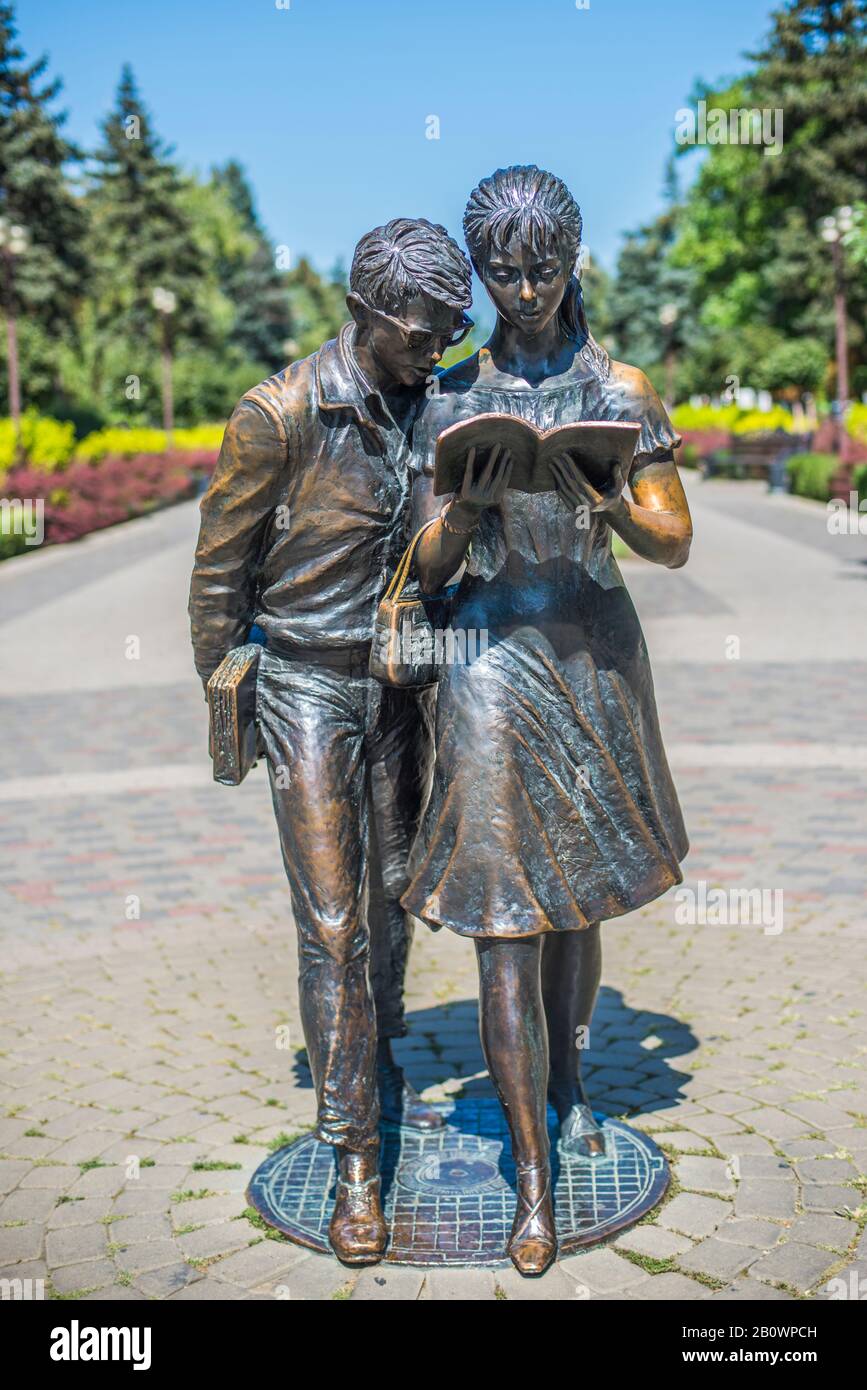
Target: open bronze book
[(232, 710), (603, 449)]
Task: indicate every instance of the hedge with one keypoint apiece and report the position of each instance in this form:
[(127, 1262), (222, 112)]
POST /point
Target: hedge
[(811, 474), (49, 445)]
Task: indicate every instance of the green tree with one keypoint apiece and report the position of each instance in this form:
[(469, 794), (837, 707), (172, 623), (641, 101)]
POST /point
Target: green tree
[(44, 282), (650, 317), (143, 241), (250, 279), (748, 232), (318, 306)]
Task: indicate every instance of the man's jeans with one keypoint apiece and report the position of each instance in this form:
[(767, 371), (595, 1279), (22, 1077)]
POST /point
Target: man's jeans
[(350, 763)]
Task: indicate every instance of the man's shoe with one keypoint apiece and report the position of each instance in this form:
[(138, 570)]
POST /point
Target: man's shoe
[(357, 1229), (401, 1104)]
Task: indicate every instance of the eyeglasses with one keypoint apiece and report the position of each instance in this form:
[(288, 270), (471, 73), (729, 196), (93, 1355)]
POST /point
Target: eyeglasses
[(418, 339)]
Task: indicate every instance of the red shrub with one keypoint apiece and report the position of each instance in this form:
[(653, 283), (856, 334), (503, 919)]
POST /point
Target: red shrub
[(89, 496)]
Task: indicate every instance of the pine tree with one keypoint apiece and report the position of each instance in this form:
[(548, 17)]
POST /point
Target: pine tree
[(44, 282), (814, 68), (257, 290), (143, 240)]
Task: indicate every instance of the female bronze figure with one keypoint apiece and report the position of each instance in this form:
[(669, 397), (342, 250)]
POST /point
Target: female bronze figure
[(552, 806)]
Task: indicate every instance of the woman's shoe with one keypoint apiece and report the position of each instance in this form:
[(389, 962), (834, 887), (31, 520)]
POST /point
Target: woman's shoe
[(580, 1135), (357, 1229), (401, 1104), (533, 1242)]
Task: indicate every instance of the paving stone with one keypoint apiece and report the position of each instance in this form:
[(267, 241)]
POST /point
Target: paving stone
[(817, 1228), (602, 1271), (680, 1139), (764, 1166), (96, 1182), (87, 1211), (74, 1244), (459, 1285), (799, 1266), (671, 1288), (693, 1215), (776, 1124), (255, 1265), (388, 1282), (148, 1255), (90, 1275), (826, 1197), (553, 1284), (204, 1210), (207, 1291), (737, 1145), (825, 1170), (751, 1231), (117, 1293), (719, 1258), (315, 1278), (21, 1243), (59, 1179), (765, 1197), (30, 1206), (653, 1241), (748, 1290), (704, 1175), (134, 1202), (131, 1230), (219, 1239), (163, 1283)]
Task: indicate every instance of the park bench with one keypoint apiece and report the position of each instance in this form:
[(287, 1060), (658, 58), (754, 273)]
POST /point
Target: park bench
[(757, 456)]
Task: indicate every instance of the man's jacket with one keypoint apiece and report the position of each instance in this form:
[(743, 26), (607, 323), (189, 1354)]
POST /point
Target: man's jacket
[(306, 516)]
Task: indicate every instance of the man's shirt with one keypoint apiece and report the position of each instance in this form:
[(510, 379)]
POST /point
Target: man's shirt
[(306, 516)]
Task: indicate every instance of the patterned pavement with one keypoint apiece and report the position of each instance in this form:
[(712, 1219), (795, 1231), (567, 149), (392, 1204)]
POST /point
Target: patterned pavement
[(151, 1047)]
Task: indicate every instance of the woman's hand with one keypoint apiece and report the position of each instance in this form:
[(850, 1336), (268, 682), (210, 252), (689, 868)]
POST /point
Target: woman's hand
[(487, 489), (574, 488)]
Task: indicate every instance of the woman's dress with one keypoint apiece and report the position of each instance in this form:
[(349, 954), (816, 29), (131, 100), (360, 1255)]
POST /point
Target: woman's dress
[(552, 804)]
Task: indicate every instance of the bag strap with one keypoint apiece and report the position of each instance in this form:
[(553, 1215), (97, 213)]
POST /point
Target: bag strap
[(401, 574)]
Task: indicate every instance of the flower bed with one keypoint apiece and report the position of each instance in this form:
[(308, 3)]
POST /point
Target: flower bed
[(87, 497)]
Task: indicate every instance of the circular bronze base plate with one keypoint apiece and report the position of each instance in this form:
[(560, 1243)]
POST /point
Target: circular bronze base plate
[(449, 1196)]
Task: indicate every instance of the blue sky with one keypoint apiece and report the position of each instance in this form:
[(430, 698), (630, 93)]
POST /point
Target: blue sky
[(326, 103)]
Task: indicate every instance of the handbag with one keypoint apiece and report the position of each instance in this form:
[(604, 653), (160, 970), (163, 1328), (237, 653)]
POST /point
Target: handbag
[(403, 651)]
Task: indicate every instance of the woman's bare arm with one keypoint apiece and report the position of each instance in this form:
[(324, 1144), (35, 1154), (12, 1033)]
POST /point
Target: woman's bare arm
[(656, 524), (443, 548)]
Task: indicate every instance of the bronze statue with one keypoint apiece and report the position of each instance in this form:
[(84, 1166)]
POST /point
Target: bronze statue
[(552, 806), (304, 521)]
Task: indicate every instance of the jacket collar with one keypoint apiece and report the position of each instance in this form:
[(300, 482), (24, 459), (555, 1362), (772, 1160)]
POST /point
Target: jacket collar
[(341, 384)]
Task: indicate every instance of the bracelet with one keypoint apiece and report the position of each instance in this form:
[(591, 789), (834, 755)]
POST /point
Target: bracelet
[(453, 530)]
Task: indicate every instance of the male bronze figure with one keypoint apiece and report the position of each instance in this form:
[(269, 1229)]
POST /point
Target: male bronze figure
[(304, 521)]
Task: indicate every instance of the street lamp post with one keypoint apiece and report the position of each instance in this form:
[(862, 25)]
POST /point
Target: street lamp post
[(165, 302), (668, 316), (13, 242), (833, 230)]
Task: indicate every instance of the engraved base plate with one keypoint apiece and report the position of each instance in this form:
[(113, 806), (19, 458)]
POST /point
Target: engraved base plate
[(449, 1196)]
